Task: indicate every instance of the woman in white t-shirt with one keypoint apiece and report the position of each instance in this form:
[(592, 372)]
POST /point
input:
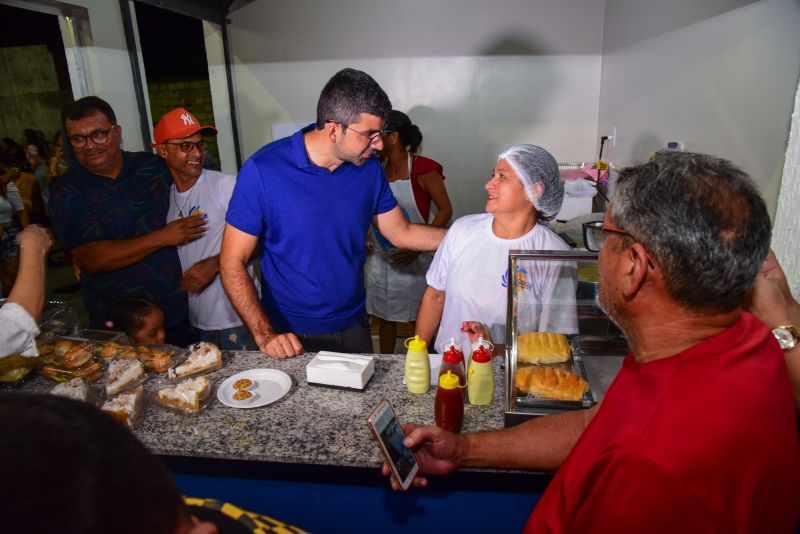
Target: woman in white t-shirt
[(468, 279)]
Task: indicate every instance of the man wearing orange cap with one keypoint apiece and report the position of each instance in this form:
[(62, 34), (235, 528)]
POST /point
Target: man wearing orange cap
[(179, 141), (109, 212)]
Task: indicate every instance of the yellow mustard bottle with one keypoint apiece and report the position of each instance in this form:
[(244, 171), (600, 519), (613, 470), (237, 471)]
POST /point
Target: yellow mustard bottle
[(418, 366), (480, 381)]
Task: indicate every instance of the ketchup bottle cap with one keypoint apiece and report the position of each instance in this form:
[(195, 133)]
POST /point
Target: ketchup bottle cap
[(453, 355), (481, 355)]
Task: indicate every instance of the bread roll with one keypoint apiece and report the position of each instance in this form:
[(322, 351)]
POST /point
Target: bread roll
[(77, 356), (542, 347), (550, 383)]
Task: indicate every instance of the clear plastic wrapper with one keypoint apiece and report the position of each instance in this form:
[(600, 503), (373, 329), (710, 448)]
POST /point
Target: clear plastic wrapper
[(158, 358), (126, 407), (198, 359), (15, 369), (78, 389), (65, 358), (188, 396), (59, 319), (67, 352), (124, 375), (155, 358)]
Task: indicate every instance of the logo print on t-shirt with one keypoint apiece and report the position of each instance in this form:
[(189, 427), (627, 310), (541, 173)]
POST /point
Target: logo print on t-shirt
[(195, 210), (522, 280)]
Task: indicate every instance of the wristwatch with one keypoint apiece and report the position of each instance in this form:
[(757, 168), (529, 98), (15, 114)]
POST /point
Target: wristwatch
[(787, 336)]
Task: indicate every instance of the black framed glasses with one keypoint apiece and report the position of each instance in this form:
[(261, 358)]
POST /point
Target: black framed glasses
[(98, 137), (371, 137), (595, 233), (188, 146)]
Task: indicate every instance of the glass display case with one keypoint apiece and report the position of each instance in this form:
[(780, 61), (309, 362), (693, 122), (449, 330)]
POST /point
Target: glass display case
[(562, 350)]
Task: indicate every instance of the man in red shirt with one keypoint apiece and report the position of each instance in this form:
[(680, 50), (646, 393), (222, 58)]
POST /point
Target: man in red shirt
[(697, 433)]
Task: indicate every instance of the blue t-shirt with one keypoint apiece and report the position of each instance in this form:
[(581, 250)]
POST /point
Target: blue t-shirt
[(85, 207), (312, 226)]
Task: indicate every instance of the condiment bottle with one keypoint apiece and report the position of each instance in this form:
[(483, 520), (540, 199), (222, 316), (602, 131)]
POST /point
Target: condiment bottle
[(453, 360), (449, 404), (418, 366), (480, 383), (480, 343)]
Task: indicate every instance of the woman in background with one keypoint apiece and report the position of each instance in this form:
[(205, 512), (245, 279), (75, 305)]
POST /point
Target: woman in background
[(10, 207), (396, 277), (468, 279)]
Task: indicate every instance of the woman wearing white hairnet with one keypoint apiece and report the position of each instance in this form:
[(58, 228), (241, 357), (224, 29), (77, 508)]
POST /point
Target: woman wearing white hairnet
[(468, 278)]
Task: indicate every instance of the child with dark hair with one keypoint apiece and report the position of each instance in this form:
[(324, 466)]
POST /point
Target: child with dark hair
[(140, 319)]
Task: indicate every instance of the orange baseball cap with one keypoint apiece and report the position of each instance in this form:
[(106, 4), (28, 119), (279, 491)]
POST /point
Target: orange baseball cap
[(177, 124)]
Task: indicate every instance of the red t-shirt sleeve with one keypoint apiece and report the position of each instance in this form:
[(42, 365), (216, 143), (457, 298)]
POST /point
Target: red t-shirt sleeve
[(624, 494)]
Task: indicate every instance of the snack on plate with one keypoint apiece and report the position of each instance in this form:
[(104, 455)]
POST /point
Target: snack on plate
[(542, 347), (550, 383), (89, 371), (242, 395), (122, 374), (75, 389), (243, 383), (125, 406), (203, 357), (186, 396)]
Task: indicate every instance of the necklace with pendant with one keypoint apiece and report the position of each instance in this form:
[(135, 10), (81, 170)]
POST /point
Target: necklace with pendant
[(180, 208)]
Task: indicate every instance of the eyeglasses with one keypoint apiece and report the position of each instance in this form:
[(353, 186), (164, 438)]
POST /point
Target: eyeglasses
[(371, 137), (595, 233), (188, 146), (98, 137)]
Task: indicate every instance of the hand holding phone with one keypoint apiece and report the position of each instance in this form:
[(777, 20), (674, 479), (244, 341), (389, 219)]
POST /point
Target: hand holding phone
[(386, 428)]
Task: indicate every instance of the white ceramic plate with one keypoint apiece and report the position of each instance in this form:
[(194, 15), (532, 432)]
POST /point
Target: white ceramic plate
[(268, 386)]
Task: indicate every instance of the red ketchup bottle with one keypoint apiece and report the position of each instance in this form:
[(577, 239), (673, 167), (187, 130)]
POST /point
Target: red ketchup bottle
[(449, 403), (453, 360)]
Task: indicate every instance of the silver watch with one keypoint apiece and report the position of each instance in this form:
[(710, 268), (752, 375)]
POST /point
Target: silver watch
[(787, 336)]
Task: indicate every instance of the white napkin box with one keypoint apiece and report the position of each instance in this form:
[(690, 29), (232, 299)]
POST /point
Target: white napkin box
[(335, 369)]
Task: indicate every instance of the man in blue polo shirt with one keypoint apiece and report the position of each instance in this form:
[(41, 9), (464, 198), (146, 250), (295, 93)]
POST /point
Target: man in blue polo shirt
[(109, 212), (309, 200)]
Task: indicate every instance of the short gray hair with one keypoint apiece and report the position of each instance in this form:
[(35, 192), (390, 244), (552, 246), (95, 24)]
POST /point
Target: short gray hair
[(702, 220)]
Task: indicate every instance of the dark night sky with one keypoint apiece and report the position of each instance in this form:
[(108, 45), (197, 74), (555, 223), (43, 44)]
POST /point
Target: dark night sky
[(172, 44)]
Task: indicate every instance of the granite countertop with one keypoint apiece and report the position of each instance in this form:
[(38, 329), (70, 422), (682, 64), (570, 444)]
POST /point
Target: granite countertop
[(309, 425)]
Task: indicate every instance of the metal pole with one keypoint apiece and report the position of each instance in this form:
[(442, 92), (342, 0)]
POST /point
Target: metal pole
[(138, 83)]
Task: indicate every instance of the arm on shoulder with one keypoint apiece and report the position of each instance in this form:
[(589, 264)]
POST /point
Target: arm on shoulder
[(402, 234)]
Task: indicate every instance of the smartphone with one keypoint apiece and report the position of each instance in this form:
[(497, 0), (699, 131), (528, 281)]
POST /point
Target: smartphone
[(386, 427)]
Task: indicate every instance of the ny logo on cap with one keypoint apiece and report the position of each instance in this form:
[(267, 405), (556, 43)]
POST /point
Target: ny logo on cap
[(187, 119)]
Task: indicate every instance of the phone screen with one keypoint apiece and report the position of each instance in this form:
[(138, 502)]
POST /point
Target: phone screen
[(391, 435)]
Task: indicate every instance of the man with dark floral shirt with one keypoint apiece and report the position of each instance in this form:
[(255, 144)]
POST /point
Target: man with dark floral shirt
[(109, 212)]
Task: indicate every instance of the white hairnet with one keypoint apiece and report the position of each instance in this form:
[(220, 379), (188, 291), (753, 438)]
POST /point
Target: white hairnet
[(535, 165)]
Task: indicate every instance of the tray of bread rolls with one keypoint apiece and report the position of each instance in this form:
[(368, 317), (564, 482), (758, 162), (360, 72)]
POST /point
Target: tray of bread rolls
[(549, 373)]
